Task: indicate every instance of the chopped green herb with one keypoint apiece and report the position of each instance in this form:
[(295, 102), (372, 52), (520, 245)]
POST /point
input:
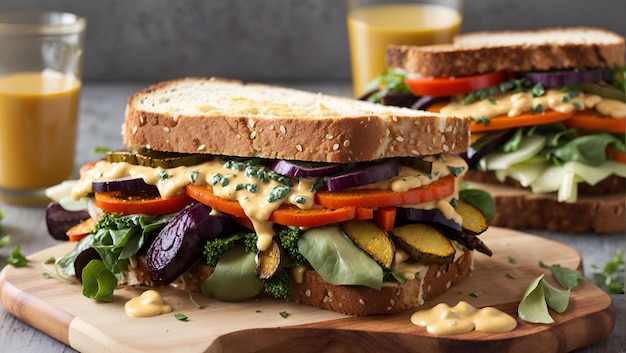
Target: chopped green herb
[(611, 277), (5, 240), (536, 109), (473, 294), (219, 179), (300, 199), (284, 314), (278, 193), (538, 90), (163, 175), (454, 202), (181, 317), (193, 176), (46, 275), (512, 260), (456, 171), (17, 259), (492, 101), (508, 275), (577, 105), (101, 150), (482, 120), (248, 186), (50, 260)]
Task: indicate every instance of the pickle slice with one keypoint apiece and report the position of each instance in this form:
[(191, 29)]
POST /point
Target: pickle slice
[(155, 159), (603, 90), (270, 262)]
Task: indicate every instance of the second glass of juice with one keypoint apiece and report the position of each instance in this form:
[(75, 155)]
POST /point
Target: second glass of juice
[(374, 24), (40, 82)]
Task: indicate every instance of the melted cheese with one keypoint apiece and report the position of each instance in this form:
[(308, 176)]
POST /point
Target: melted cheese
[(256, 197)]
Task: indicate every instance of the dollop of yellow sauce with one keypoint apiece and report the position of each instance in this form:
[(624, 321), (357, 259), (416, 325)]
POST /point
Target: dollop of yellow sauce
[(149, 303), (445, 320)]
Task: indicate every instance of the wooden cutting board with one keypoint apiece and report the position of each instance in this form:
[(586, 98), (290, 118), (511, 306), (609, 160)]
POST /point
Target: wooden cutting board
[(58, 309)]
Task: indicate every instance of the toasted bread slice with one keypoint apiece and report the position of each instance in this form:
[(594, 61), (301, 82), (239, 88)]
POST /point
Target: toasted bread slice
[(480, 52), (312, 290), (217, 116)]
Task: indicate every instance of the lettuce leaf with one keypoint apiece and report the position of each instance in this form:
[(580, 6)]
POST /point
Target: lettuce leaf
[(337, 260)]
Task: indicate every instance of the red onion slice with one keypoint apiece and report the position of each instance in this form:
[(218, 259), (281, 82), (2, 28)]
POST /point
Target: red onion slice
[(123, 184), (426, 101), (372, 174), (304, 169), (564, 78)]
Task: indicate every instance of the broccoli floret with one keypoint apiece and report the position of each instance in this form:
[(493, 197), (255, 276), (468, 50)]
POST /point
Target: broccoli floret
[(214, 249), (289, 240), (250, 242), (279, 286)]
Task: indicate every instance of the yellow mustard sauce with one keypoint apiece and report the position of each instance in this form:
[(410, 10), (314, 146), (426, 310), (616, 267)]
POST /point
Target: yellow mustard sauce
[(514, 104), (149, 303), (445, 320), (255, 201)]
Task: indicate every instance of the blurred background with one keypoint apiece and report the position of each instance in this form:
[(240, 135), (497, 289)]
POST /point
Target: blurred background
[(268, 40)]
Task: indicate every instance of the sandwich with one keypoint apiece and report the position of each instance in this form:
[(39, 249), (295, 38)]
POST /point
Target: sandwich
[(549, 116), (242, 190)]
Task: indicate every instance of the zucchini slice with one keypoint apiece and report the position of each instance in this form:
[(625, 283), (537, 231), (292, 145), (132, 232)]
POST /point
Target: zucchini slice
[(424, 243), (474, 221), (372, 240)]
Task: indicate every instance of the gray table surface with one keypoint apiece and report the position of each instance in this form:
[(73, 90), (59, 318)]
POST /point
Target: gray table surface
[(102, 112)]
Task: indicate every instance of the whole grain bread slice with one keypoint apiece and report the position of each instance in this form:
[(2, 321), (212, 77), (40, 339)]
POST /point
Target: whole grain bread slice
[(544, 49), (228, 117), (519, 208), (312, 290)]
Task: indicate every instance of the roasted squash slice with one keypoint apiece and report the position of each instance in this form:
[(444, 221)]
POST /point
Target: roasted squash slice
[(270, 262), (474, 221), (424, 243), (374, 241)]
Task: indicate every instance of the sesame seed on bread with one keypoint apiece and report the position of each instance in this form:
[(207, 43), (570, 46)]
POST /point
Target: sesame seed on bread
[(228, 117)]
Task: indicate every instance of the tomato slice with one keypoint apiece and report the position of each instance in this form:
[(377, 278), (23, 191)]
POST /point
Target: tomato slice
[(140, 202), (593, 121), (448, 86), (616, 155), (81, 230), (502, 122), (375, 198), (206, 196), (288, 215)]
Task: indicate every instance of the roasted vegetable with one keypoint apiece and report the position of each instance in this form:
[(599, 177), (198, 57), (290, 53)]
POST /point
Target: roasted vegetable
[(424, 243), (474, 221), (374, 241), (270, 262)]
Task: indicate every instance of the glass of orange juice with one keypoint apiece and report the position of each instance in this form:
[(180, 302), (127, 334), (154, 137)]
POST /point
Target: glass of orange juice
[(374, 24), (40, 81)]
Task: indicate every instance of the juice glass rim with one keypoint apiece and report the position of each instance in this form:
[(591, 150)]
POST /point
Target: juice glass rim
[(20, 23)]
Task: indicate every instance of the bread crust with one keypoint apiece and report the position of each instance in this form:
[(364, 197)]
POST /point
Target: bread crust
[(473, 53), (351, 300), (392, 298), (361, 132), (519, 208)]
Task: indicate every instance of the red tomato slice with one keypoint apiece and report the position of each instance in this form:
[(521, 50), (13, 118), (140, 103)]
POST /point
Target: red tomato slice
[(81, 230), (288, 215), (593, 121), (502, 122), (385, 198), (140, 202), (448, 86)]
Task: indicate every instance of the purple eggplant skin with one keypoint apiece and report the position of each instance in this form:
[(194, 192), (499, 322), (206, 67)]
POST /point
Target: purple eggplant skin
[(415, 215), (83, 259), (59, 220), (180, 243), (472, 156)]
